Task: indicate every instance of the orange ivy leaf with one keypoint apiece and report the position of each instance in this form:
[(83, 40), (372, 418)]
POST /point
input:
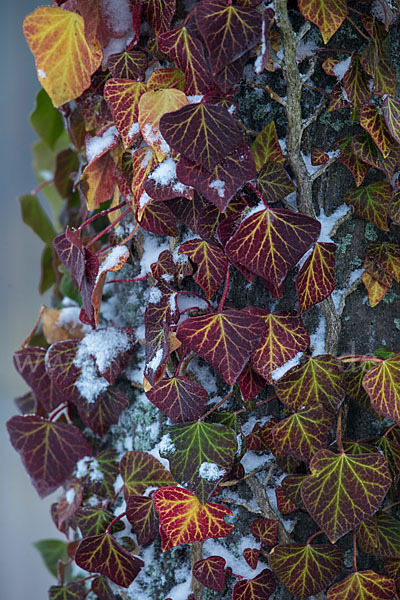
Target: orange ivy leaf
[(363, 585), (376, 290), (212, 264), (142, 162), (266, 147), (123, 97), (382, 384), (372, 121), (103, 554), (304, 569), (344, 489), (371, 202), (283, 338), (185, 520), (327, 15), (63, 58), (316, 278), (152, 106), (142, 515)]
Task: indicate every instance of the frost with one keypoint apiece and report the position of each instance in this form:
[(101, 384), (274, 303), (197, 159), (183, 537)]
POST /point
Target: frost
[(181, 591), (146, 159), (98, 144), (329, 222), (218, 185), (112, 259), (341, 68), (155, 295), (95, 473), (70, 496), (278, 373), (259, 60), (81, 468), (144, 199), (317, 339), (305, 50), (134, 129), (41, 73), (166, 445), (211, 471), (155, 362), (155, 137)]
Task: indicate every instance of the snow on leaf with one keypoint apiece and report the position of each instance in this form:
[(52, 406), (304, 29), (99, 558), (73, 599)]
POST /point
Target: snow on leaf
[(212, 264), (210, 572), (49, 451), (63, 58), (344, 489), (283, 338), (382, 384), (316, 278), (195, 444), (386, 539), (203, 133), (274, 182), (103, 554), (228, 31), (372, 121), (104, 411), (304, 569), (363, 585), (140, 470), (142, 515), (188, 53), (270, 242), (122, 96), (266, 147), (371, 203), (185, 520), (317, 382), (225, 340), (152, 106), (327, 15), (179, 398), (303, 433), (261, 587), (162, 182)]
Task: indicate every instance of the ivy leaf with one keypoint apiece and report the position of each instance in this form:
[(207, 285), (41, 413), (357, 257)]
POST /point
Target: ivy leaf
[(93, 521), (98, 181), (203, 133), (304, 569), (348, 158), (371, 203), (317, 382), (123, 97), (285, 505), (318, 156), (34, 216), (274, 182), (267, 530), (159, 14), (166, 78), (127, 65), (291, 487), (51, 552), (390, 446), (303, 433), (363, 585), (354, 485), (30, 364), (49, 451), (260, 587), (271, 241), (142, 515), (377, 272), (70, 251), (199, 455), (376, 290), (46, 120), (391, 114), (250, 383), (188, 53), (162, 183), (355, 82), (212, 264), (225, 340), (316, 278), (382, 384), (266, 147), (229, 31), (158, 219), (140, 470), (185, 520), (251, 556), (64, 76), (372, 121), (103, 554), (105, 462), (387, 256), (60, 367), (179, 398), (101, 588), (71, 591), (225, 180), (210, 572), (386, 542), (283, 338), (152, 106), (327, 15), (104, 411), (394, 208)]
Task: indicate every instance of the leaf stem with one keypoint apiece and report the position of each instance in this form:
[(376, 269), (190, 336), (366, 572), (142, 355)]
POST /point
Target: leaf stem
[(101, 214), (197, 296), (180, 363), (389, 429), (313, 536), (41, 186), (108, 228), (129, 280), (390, 506), (118, 518), (339, 430), (214, 408), (225, 293), (354, 552), (359, 358), (241, 410)]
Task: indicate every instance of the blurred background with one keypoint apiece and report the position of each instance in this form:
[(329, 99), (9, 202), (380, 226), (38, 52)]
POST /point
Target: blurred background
[(25, 517)]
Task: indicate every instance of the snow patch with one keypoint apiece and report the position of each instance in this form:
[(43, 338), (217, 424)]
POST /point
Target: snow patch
[(278, 373), (210, 471), (69, 318), (70, 496), (341, 68), (98, 144), (218, 185), (112, 259), (154, 137), (166, 445)]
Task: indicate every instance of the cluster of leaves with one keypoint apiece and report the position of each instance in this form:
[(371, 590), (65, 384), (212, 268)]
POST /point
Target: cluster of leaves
[(151, 127)]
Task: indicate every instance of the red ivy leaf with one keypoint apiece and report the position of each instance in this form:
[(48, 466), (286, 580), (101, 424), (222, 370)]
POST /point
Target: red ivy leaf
[(250, 383), (385, 540), (127, 65), (391, 114), (210, 572), (142, 515), (382, 384), (291, 487), (319, 157), (158, 219), (159, 14), (212, 264), (251, 556), (141, 470), (101, 588), (103, 554), (285, 504), (260, 587), (179, 398), (304, 569), (104, 411), (316, 278), (347, 157), (363, 585), (267, 530), (274, 182), (355, 82), (48, 450), (69, 248), (387, 256), (225, 340), (72, 591)]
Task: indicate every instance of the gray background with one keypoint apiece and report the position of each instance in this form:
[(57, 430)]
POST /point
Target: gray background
[(24, 517)]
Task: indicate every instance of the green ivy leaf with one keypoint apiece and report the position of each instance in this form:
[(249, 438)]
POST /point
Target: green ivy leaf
[(46, 120), (34, 216), (52, 551)]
